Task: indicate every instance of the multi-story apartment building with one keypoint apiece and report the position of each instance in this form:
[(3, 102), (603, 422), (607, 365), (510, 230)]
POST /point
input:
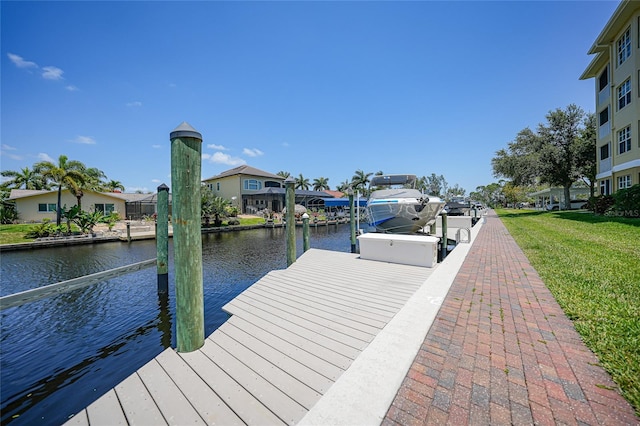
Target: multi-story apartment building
[(616, 70)]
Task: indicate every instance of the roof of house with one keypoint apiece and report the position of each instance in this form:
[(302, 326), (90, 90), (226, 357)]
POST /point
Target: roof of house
[(245, 170), (334, 194)]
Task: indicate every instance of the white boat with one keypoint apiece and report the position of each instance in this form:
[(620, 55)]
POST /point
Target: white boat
[(396, 206)]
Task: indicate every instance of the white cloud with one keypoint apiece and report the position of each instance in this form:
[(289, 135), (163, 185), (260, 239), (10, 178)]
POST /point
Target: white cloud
[(218, 147), (10, 155), (45, 157), (85, 140), (20, 62), (285, 144), (8, 147), (254, 152), (52, 73), (156, 180), (221, 158), (72, 88), (156, 146), (134, 104)]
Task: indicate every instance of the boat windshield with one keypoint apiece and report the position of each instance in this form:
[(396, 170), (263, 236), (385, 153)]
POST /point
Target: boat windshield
[(392, 180)]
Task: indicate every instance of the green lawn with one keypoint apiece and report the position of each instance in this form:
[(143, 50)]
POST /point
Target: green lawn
[(591, 264), (10, 234)]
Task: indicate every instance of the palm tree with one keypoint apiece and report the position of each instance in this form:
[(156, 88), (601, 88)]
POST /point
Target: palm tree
[(70, 174), (92, 181), (283, 174), (112, 185), (360, 180), (302, 183), (30, 179), (320, 184)]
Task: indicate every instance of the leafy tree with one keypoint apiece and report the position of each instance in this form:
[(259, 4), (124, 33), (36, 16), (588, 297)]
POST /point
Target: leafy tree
[(490, 195), (585, 152), (320, 184), (520, 162), (343, 186), (559, 163), (112, 185), (302, 182), (212, 205), (455, 191), (360, 180), (435, 185), (68, 174), (93, 181), (27, 178), (561, 152)]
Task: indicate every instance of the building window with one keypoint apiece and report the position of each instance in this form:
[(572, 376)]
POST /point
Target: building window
[(605, 187), (47, 207), (104, 208), (604, 116), (624, 182), (252, 184), (603, 81), (604, 152), (624, 94), (624, 140), (624, 46)]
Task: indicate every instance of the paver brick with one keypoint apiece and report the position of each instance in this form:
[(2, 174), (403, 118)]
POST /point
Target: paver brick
[(498, 352)]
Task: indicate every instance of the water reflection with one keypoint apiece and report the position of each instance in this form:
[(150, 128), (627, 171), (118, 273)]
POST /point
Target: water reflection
[(58, 355)]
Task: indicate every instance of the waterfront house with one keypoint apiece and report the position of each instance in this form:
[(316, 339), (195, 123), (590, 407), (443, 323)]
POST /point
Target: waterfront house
[(252, 190), (36, 205), (616, 71)]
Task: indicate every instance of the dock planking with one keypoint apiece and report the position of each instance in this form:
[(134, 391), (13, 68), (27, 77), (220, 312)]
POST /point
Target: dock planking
[(290, 336)]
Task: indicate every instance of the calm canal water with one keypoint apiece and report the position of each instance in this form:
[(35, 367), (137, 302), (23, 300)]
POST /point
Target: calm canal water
[(60, 354)]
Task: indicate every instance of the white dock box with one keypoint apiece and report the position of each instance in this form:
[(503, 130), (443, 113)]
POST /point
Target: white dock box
[(418, 250)]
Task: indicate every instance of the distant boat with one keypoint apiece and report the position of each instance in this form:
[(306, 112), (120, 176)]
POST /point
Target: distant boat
[(396, 206), (458, 207)]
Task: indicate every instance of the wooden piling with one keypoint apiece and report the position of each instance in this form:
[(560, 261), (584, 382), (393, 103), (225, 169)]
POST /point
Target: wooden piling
[(305, 231), (162, 239), (186, 152), (290, 202)]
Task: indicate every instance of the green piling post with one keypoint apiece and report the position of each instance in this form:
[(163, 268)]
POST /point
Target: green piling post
[(186, 152), (290, 217), (305, 232), (162, 239), (352, 220)]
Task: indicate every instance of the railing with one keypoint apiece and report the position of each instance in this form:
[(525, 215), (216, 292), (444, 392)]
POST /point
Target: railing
[(32, 295)]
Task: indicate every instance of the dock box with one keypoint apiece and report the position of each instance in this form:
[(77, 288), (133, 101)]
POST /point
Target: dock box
[(418, 250)]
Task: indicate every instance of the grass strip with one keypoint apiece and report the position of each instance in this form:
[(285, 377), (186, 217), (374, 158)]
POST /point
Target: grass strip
[(591, 264)]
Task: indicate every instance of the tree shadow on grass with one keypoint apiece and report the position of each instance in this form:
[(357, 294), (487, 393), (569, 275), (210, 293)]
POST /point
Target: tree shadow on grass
[(585, 216)]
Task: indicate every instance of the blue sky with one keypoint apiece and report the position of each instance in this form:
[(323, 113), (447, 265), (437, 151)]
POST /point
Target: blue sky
[(320, 89)]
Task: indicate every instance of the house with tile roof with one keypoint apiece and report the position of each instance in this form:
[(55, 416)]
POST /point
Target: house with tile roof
[(252, 190)]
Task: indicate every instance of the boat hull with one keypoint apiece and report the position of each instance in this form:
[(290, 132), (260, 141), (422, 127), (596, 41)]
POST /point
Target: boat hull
[(403, 215)]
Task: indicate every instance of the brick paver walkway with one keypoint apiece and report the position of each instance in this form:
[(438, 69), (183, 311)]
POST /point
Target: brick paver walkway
[(501, 351)]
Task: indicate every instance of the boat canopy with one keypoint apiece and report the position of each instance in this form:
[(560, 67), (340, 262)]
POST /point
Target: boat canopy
[(342, 202), (392, 180)]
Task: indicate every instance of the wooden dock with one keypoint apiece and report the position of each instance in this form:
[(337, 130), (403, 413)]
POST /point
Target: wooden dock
[(290, 337)]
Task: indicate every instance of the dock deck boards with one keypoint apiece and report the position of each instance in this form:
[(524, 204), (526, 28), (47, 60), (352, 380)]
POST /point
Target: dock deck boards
[(290, 337)]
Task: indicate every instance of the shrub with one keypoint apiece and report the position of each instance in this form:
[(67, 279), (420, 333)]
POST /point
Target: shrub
[(233, 222), (601, 203), (44, 229), (627, 201)]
